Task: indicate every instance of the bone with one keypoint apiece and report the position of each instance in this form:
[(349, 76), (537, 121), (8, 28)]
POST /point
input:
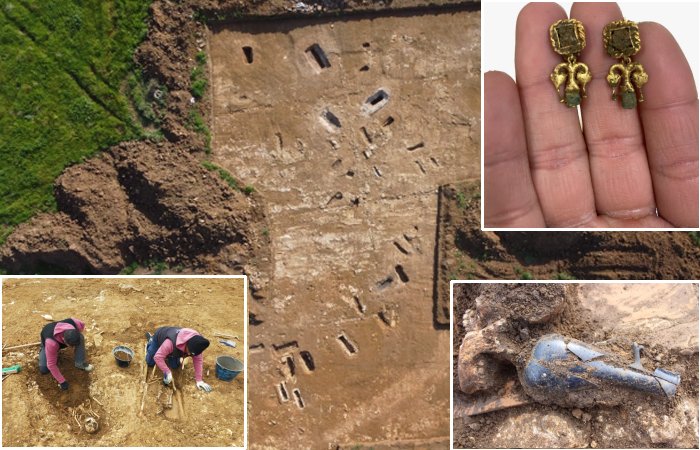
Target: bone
[(479, 354), (91, 425), (169, 403)]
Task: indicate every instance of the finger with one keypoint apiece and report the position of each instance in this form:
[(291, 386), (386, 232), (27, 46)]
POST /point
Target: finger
[(556, 149), (669, 115), (616, 154), (509, 195)]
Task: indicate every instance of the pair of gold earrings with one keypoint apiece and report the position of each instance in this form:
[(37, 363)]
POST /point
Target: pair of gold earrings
[(621, 40)]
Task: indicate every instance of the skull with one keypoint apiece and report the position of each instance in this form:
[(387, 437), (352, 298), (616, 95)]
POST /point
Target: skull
[(91, 425)]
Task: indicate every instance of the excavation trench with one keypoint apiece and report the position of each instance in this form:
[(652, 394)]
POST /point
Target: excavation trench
[(320, 123)]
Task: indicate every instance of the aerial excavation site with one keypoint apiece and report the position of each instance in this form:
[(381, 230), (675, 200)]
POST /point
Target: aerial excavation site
[(328, 150)]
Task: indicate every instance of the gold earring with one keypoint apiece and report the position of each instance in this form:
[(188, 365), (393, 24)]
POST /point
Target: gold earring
[(621, 39), (568, 38)]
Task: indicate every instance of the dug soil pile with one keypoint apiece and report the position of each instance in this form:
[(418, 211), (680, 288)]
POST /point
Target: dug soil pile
[(118, 312), (662, 317), (467, 253)]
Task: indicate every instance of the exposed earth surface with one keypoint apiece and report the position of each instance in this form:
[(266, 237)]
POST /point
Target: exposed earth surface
[(35, 412)]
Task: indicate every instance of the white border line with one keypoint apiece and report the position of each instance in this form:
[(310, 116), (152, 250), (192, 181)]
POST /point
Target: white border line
[(3, 278), (484, 8), (452, 321)]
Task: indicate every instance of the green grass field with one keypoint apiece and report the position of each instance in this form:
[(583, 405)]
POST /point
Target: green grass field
[(68, 88)]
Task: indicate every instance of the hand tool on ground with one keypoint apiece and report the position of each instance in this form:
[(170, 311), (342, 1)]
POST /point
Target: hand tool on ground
[(12, 369), (22, 346), (225, 336), (227, 343)]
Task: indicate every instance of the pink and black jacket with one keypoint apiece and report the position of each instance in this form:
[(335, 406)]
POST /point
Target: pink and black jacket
[(172, 342), (52, 341)]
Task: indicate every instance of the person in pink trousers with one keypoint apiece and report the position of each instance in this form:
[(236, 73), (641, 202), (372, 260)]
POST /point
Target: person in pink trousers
[(59, 335)]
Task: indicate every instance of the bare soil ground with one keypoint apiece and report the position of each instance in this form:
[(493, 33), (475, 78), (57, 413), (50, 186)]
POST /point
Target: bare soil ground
[(118, 312), (662, 317), (350, 279)]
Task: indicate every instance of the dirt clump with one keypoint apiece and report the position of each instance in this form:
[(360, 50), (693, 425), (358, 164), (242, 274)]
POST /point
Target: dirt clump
[(126, 206), (123, 356), (520, 303)]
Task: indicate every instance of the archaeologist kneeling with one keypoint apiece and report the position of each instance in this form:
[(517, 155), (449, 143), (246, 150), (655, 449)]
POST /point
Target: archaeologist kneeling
[(58, 335), (168, 344)]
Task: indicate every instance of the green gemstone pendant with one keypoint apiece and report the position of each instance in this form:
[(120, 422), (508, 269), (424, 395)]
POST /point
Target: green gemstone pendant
[(622, 40), (629, 100), (573, 99), (568, 38)]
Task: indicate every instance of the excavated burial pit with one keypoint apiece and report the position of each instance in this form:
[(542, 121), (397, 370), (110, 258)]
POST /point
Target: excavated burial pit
[(326, 146), (298, 399), (308, 359), (282, 392), (291, 365)]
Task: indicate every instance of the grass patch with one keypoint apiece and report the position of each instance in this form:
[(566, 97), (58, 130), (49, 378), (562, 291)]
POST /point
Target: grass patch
[(62, 73), (154, 266), (145, 96), (198, 76), (158, 267), (695, 237), (465, 198), (523, 274), (196, 122), (227, 177), (461, 269), (130, 269), (223, 173), (564, 276), (461, 200)]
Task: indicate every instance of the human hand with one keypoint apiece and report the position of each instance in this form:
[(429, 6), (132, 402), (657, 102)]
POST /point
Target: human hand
[(542, 170), (168, 378), (64, 386), (204, 386)]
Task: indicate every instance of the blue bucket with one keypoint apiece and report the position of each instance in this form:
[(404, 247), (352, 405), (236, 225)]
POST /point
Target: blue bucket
[(228, 367)]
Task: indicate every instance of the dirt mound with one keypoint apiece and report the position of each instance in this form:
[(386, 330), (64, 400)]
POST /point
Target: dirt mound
[(466, 252), (630, 419), (79, 389), (135, 204)]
